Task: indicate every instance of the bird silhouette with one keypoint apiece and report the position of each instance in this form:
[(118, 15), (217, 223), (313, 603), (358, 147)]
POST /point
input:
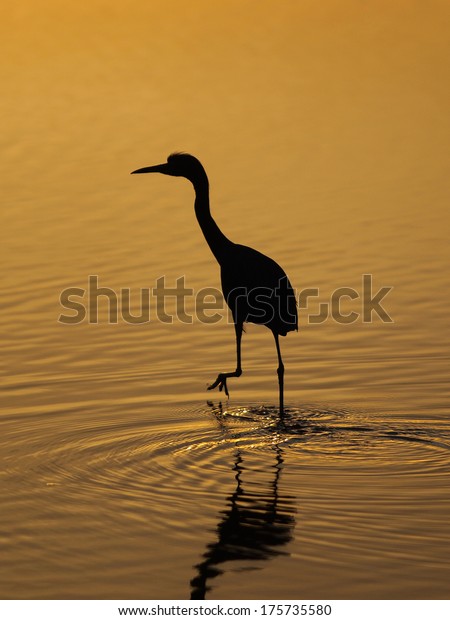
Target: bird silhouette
[(255, 287)]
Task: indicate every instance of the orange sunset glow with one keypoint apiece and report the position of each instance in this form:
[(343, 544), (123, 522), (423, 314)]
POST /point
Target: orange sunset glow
[(323, 129)]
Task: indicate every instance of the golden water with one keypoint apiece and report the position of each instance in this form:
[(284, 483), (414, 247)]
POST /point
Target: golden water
[(324, 129)]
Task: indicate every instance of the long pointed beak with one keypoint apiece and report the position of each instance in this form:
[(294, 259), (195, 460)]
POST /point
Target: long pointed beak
[(159, 168)]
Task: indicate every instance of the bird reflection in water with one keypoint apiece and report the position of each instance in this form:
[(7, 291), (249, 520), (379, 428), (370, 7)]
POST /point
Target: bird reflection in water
[(256, 524)]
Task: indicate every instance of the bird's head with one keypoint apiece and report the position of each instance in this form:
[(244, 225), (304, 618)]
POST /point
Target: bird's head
[(177, 165)]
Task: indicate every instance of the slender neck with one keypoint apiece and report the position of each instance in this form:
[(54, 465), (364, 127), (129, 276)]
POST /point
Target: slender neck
[(215, 238)]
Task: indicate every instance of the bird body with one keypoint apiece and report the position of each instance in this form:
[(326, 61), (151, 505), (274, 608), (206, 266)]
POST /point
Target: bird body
[(255, 287), (257, 290)]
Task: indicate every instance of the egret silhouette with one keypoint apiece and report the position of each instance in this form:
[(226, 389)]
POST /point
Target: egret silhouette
[(255, 287)]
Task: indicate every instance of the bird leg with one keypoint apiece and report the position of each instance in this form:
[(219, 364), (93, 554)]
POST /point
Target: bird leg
[(222, 377), (280, 373)]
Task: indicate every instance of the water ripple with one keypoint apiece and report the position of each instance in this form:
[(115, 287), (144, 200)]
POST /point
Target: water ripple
[(352, 437), (140, 460)]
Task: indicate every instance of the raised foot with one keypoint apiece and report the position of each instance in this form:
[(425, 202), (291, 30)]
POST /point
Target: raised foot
[(221, 382)]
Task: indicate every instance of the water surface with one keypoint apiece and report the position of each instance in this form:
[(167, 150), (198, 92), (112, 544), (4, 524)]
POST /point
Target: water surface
[(324, 131)]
